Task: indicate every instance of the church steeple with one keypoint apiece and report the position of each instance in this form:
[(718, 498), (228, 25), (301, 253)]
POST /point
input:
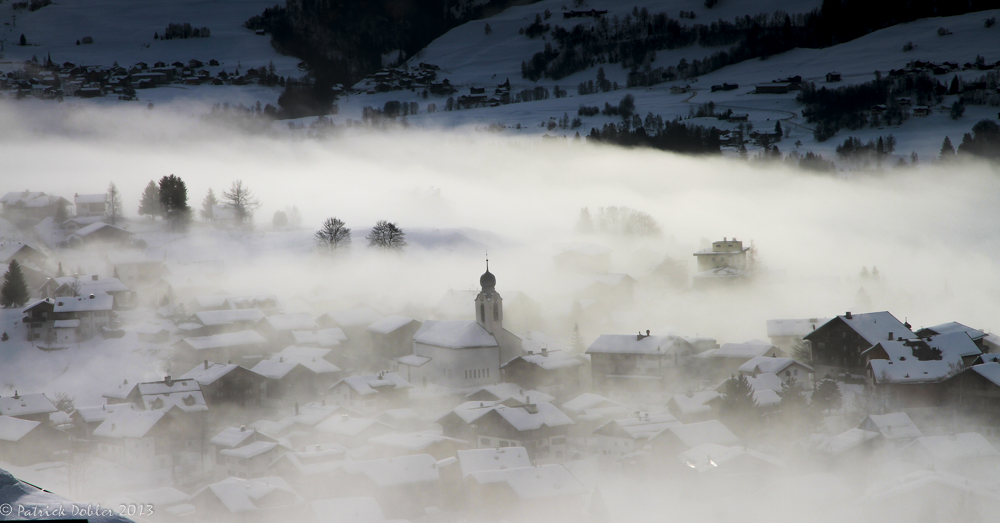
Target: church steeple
[(489, 304)]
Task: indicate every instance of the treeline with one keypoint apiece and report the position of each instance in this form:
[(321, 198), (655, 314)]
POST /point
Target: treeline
[(184, 30), (674, 136), (633, 40)]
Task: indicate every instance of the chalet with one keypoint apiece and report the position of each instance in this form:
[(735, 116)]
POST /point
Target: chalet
[(744, 117), (921, 110), (837, 345), (243, 346), (911, 383), (31, 407), (138, 439), (32, 206), (183, 394), (98, 233), (725, 254), (786, 369), (540, 427), (392, 336), (403, 485), (123, 393), (227, 384), (252, 460), (234, 438), (85, 285), (833, 76), (373, 393), (896, 428), (279, 327), (90, 204), (675, 439), (26, 255), (293, 377), (237, 500), (66, 320), (506, 391), (977, 336), (692, 407), (550, 370), (976, 392), (24, 442), (623, 436), (86, 419), (227, 321), (878, 108), (634, 359)]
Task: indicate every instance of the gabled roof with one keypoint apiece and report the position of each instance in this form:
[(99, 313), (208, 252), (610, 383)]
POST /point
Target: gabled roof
[(645, 426), (401, 470), (454, 334), (873, 326), (913, 371), (374, 383), (291, 322), (228, 316), (94, 227), (990, 371), (17, 250), (121, 391), (710, 456), (100, 412), (505, 391), (549, 360), (694, 402), (226, 339), (544, 481), (951, 327), (88, 303), (843, 442), (630, 344), (250, 450), (323, 337), (14, 429), (234, 436), (895, 425), (520, 417), (26, 405), (693, 434), (588, 400), (278, 366), (128, 423), (207, 375), (953, 346), (411, 441), (765, 364), (389, 324), (249, 495)]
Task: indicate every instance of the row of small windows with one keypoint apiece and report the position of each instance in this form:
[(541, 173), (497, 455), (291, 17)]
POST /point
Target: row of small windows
[(473, 374)]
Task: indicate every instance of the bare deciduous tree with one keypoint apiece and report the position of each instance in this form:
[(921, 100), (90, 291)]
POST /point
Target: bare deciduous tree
[(387, 236), (241, 199), (114, 209), (333, 235)]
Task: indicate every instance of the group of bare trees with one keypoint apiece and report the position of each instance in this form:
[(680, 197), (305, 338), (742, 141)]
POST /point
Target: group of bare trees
[(335, 236)]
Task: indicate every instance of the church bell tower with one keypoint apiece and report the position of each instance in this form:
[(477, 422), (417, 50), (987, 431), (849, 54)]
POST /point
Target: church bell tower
[(489, 304)]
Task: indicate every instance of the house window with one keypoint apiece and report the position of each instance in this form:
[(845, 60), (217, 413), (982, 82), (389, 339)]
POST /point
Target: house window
[(483, 442)]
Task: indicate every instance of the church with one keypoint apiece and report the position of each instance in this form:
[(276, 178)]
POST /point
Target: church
[(461, 354)]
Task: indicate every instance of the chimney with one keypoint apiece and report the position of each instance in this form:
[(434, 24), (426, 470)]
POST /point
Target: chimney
[(126, 381), (93, 277), (206, 364), (168, 381), (890, 336), (647, 333), (243, 428), (296, 408), (91, 296), (848, 315), (545, 351)]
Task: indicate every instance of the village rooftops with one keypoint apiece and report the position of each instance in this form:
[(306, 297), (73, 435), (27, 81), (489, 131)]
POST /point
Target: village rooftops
[(31, 199), (694, 434), (228, 316), (521, 417), (694, 402), (454, 334), (798, 328), (913, 371), (632, 344), (344, 425), (389, 324), (551, 359), (765, 364), (401, 470), (643, 426), (505, 391), (13, 429), (323, 337), (544, 481), (90, 284), (277, 367), (168, 386), (94, 227), (291, 322), (88, 303), (297, 352), (226, 339), (250, 495), (481, 460), (121, 391), (127, 423), (710, 456), (373, 383), (411, 441), (16, 250), (186, 401), (951, 347), (843, 442), (746, 350), (208, 373), (588, 400), (100, 412), (990, 371), (250, 450), (25, 405)]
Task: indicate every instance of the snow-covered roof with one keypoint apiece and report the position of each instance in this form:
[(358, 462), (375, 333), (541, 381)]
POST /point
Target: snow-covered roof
[(100, 412), (412, 360), (843, 442), (175, 385), (588, 400), (550, 359), (193, 401), (373, 383), (694, 402), (232, 437), (323, 337), (520, 417), (876, 326), (348, 426), (208, 374), (747, 350), (949, 328), (250, 450), (128, 423), (228, 316), (278, 366), (454, 334), (799, 328), (630, 344), (895, 425), (90, 198), (990, 371), (94, 227), (88, 303), (97, 285), (10, 250), (479, 460), (913, 371), (226, 339), (291, 322), (299, 352), (544, 481), (953, 346), (505, 391), (13, 429), (767, 364), (389, 324), (764, 382), (26, 405), (401, 470), (248, 495), (643, 426)]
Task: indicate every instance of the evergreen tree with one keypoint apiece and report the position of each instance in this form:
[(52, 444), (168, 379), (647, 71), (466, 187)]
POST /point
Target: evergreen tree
[(386, 236), (23, 41), (14, 292), (114, 204), (173, 200), (207, 204), (333, 235), (149, 205), (777, 128), (794, 407), (585, 225), (4, 337), (827, 396), (738, 407), (59, 271), (577, 340), (947, 150)]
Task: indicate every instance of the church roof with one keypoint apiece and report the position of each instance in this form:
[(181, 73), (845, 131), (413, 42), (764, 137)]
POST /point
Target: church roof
[(454, 334)]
